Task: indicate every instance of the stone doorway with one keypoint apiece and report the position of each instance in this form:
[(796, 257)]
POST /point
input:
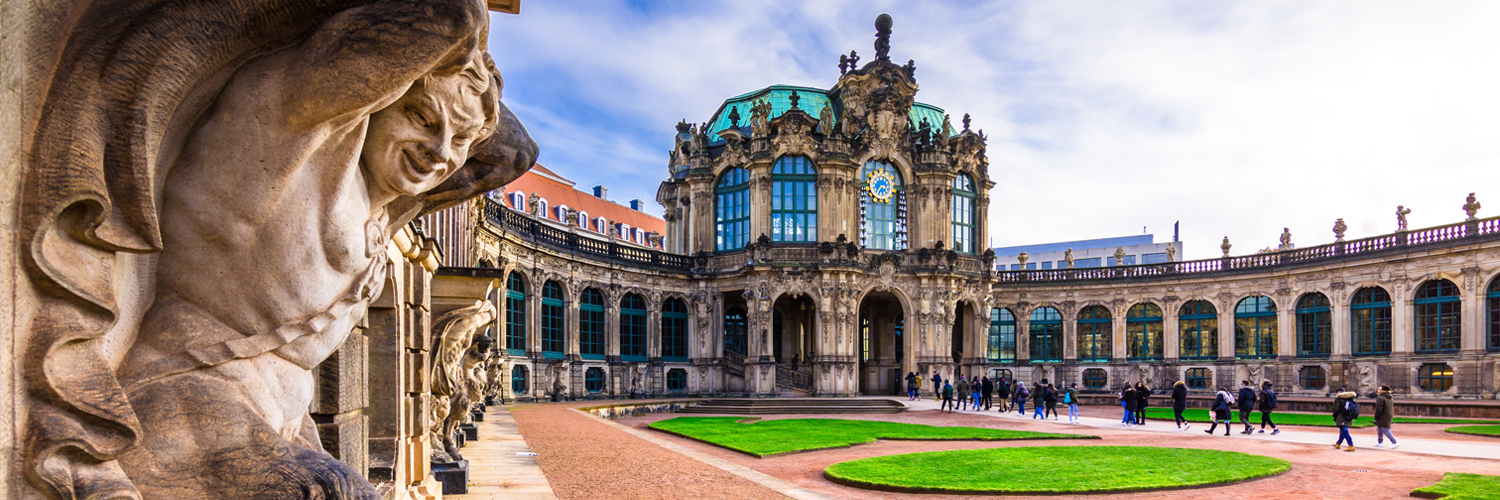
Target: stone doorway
[(883, 345)]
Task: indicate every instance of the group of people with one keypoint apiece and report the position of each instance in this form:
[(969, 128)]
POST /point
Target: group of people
[(1248, 400), (979, 394)]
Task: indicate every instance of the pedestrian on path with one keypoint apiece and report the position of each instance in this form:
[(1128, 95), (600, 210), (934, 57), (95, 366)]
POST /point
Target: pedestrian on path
[(1128, 401), (937, 386), (911, 386), (1022, 394), (1345, 410), (947, 395), (1247, 405), (1385, 408), (919, 387), (1038, 399), (1179, 404), (976, 392), (1267, 405), (1222, 402), (1051, 399), (963, 393), (1071, 399), (1002, 391), (1142, 399), (989, 391)]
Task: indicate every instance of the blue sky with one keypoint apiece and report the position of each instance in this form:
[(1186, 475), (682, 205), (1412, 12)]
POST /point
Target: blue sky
[(1236, 118)]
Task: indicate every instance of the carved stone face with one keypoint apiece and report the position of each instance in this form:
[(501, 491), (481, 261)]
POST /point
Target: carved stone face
[(418, 141)]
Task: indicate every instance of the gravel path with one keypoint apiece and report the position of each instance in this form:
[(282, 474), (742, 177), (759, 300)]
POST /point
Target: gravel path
[(584, 458)]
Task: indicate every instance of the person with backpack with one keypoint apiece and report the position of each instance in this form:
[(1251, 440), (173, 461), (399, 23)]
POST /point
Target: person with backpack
[(911, 386), (1223, 401), (963, 393), (976, 392), (1247, 405), (1267, 405), (988, 387), (1038, 400), (1002, 392), (947, 396), (1128, 400), (1142, 399), (1345, 410), (1071, 399), (1385, 408), (1179, 404), (1021, 395)]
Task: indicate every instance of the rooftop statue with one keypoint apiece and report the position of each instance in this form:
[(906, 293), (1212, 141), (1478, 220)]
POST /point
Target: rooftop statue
[(265, 158)]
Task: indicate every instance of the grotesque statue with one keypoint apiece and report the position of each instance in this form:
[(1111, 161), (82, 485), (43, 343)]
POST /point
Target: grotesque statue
[(473, 368), (453, 340)]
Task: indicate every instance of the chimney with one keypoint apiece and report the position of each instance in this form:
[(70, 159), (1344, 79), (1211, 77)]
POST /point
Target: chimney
[(636, 205), (601, 192)]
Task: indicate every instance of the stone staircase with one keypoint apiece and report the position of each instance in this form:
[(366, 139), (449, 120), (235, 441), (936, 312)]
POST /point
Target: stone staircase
[(795, 406)]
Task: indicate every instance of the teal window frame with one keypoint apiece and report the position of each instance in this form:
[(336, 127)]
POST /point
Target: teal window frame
[(1145, 332), (1002, 348), (882, 225), (518, 382), (1314, 326), (1492, 306), (964, 224), (1095, 341), (1095, 378), (794, 200), (515, 314), (1202, 319), (591, 324), (1198, 378), (1370, 322), (1438, 325), (553, 334), (676, 380), (632, 328), (735, 335), (1435, 377), (1255, 328), (1310, 374), (1046, 335), (674, 330), (593, 380), (732, 210)]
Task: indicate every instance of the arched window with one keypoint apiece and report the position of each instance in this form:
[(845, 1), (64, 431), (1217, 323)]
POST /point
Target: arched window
[(1370, 315), (1002, 336), (1255, 328), (677, 380), (518, 385), (963, 214), (601, 226), (583, 219), (541, 204), (515, 315), (794, 200), (591, 324), (632, 328), (1144, 332), (1492, 303), (552, 320), (732, 216), (1438, 312), (882, 207), (1314, 326), (674, 330), (593, 379), (518, 201), (734, 331), (1046, 335), (562, 214), (1198, 330), (1093, 334)]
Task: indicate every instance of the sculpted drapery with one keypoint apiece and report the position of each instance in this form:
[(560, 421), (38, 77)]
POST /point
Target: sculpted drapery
[(242, 164)]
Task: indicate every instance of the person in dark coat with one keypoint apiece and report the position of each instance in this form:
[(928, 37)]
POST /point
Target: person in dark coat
[(1385, 408), (947, 395), (1039, 399), (1051, 399), (911, 386), (1247, 405), (1020, 397), (1267, 403), (1179, 404), (988, 386), (1002, 391), (1222, 402), (1128, 400), (937, 386), (1342, 418), (1142, 399)]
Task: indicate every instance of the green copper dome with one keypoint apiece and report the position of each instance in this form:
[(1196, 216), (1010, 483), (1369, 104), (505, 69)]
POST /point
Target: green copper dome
[(810, 101)]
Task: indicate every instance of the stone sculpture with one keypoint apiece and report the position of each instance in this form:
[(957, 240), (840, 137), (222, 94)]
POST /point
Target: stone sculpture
[(1401, 213), (1120, 256), (476, 376), (1339, 227), (453, 340), (1471, 207), (263, 154), (1021, 259), (1171, 252), (1068, 256), (1286, 239), (1225, 246)]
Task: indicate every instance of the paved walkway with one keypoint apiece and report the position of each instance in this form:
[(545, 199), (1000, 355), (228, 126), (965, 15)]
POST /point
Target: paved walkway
[(495, 471), (1290, 434)]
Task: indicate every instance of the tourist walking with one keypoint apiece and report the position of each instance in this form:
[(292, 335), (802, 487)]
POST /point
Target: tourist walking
[(1128, 401), (1021, 395), (1385, 408), (963, 393), (1267, 405), (989, 390), (911, 386), (1051, 399), (1345, 410), (919, 388), (1223, 401), (946, 394), (1247, 405), (1179, 404), (1039, 400), (1071, 399), (937, 386), (976, 392), (1002, 392), (1142, 399)]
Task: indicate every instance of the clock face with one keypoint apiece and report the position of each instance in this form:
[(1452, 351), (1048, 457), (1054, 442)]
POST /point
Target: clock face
[(881, 185)]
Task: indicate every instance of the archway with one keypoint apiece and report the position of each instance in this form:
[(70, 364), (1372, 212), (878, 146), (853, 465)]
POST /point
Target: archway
[(882, 344), (965, 347), (792, 331)]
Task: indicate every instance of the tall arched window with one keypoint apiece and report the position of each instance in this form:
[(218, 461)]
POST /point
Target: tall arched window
[(1046, 335), (591, 324), (1198, 330), (1370, 315), (732, 215), (1002, 336), (632, 328), (1255, 328), (1438, 312), (674, 330), (1093, 334), (963, 214), (1314, 326), (518, 385), (515, 315), (1144, 332), (882, 207), (1492, 303), (552, 320), (734, 331), (794, 200)]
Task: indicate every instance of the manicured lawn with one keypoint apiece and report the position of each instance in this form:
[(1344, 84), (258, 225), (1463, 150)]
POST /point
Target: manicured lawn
[(771, 437), (1457, 486), (1478, 430), (1053, 470), (1313, 419)]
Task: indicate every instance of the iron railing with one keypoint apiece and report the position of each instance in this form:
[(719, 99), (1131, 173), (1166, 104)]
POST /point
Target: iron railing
[(519, 224)]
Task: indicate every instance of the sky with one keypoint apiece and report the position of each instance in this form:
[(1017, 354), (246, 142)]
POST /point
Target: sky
[(1238, 119)]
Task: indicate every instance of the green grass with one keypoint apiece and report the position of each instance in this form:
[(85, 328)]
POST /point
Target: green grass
[(1313, 419), (1477, 430), (772, 437), (1457, 486), (1053, 470)]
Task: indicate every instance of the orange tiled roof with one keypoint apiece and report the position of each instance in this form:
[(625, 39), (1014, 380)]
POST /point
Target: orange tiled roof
[(557, 191)]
